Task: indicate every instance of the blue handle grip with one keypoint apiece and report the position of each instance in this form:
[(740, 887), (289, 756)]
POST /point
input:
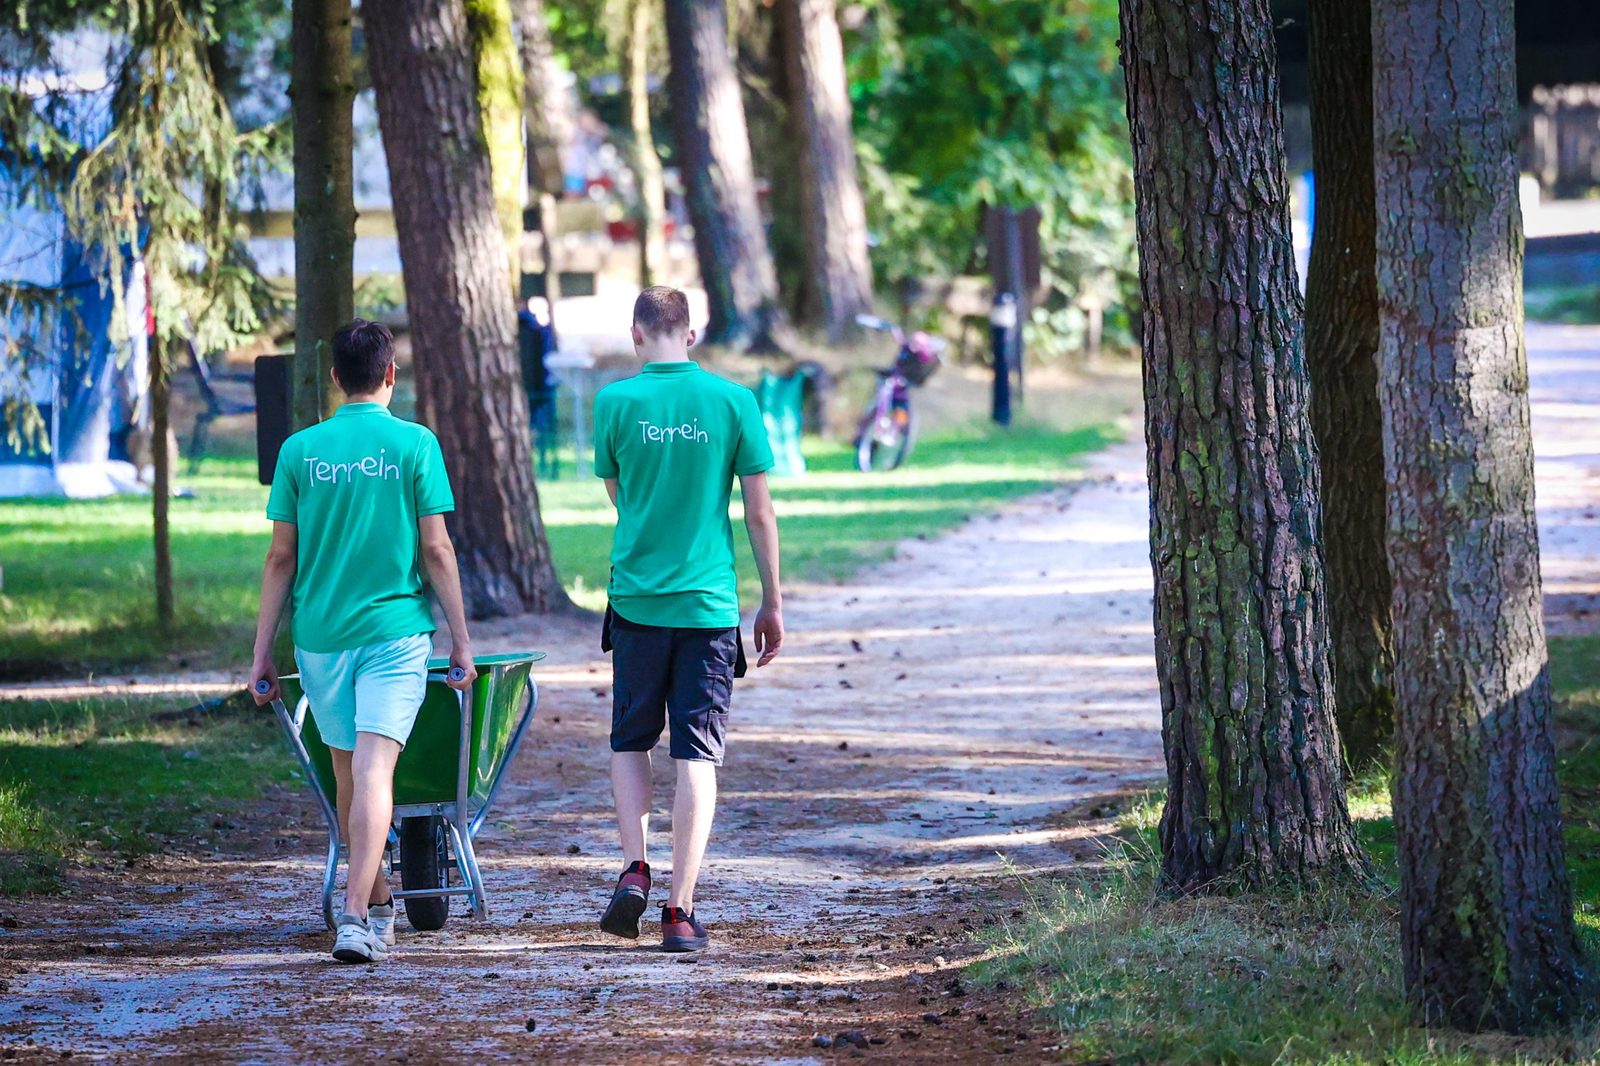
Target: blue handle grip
[(263, 687), (457, 674)]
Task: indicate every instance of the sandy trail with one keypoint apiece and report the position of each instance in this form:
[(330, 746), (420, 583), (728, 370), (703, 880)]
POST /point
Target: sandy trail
[(945, 716)]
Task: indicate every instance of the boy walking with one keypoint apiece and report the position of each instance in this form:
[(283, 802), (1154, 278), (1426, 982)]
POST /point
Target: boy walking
[(356, 502), (669, 443)]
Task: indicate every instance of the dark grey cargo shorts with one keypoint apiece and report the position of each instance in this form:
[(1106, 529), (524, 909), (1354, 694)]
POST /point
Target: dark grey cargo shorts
[(667, 676)]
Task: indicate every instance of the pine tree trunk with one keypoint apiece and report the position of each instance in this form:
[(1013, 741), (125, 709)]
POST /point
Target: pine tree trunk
[(324, 199), (500, 102), (646, 161), (714, 154), (547, 135), (1255, 790), (463, 328), (834, 215), (1342, 354), (161, 480), (1486, 911), (547, 132)]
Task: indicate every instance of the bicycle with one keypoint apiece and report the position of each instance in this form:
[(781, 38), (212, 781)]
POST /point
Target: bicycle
[(888, 430)]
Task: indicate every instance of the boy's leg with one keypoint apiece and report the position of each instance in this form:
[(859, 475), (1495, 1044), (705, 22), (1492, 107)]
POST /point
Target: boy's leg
[(370, 814), (390, 681), (697, 705), (640, 668), (693, 808), (343, 774), (631, 791)]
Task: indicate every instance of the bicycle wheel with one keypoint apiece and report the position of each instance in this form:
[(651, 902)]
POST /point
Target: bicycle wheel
[(886, 441)]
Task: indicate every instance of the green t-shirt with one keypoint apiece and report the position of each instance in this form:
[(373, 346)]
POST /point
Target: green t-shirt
[(355, 486), (675, 437)]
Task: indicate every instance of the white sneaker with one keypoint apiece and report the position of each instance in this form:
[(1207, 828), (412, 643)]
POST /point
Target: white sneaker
[(381, 921), (357, 942)]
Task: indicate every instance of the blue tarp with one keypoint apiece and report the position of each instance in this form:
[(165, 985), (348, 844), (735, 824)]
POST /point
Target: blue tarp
[(85, 377)]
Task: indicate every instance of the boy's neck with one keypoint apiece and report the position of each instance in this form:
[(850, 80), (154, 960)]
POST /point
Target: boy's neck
[(381, 397), (664, 355)]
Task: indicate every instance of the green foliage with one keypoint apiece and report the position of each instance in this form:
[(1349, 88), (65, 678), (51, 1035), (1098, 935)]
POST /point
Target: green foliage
[(1001, 103), (163, 180), (159, 181), (1132, 974)]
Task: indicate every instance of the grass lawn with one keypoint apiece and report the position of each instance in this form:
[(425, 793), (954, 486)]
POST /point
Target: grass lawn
[(1130, 975), (113, 779), (1574, 305), (77, 594)]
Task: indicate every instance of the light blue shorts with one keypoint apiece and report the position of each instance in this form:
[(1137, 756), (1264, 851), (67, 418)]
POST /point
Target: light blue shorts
[(377, 688)]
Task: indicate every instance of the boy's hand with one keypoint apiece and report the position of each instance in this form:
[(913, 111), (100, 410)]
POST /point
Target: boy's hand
[(768, 634), (461, 659), (263, 670)]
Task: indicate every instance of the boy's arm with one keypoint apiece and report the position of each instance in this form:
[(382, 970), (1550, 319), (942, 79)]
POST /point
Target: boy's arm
[(611, 490), (761, 523), (439, 556), (277, 577)]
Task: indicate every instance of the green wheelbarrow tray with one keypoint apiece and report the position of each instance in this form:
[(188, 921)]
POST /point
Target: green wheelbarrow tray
[(444, 781)]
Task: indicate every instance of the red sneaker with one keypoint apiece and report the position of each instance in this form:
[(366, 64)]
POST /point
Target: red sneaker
[(680, 931), (628, 902)]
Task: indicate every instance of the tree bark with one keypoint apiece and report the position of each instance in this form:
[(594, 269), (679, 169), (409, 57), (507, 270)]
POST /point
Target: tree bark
[(322, 91), (500, 102), (452, 250), (1342, 354), (548, 135), (646, 161), (834, 217), (1255, 790), (161, 480), (1486, 910), (714, 152)]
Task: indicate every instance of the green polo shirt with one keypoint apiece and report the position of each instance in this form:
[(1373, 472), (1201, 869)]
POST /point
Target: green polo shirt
[(355, 486), (675, 437)]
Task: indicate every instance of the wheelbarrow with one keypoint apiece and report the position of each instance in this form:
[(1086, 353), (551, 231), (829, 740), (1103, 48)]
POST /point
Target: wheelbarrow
[(444, 782)]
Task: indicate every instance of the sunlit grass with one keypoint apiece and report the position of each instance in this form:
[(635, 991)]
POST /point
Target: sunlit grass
[(1129, 973), (77, 594), (112, 779)]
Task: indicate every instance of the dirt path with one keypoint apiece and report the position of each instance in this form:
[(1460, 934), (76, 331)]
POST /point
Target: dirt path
[(928, 724), (949, 714)]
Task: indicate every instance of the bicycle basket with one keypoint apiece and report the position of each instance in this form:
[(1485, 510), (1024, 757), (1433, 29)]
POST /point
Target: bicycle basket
[(917, 366)]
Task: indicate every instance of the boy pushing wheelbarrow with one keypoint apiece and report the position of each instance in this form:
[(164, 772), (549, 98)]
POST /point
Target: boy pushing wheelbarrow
[(355, 502)]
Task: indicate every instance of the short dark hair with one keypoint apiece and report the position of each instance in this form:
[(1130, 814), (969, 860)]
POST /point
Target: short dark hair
[(362, 354), (661, 310)]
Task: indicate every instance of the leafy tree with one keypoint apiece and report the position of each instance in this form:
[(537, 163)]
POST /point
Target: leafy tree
[(152, 184), (997, 102)]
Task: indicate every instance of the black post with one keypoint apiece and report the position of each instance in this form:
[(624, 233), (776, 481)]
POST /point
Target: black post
[(1016, 286), (1002, 338)]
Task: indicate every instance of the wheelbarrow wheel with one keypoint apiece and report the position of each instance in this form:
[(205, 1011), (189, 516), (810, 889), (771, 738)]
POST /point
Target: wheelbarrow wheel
[(425, 863)]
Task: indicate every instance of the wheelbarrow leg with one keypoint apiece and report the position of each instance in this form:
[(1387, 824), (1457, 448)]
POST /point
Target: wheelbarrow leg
[(467, 863), (330, 877)]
